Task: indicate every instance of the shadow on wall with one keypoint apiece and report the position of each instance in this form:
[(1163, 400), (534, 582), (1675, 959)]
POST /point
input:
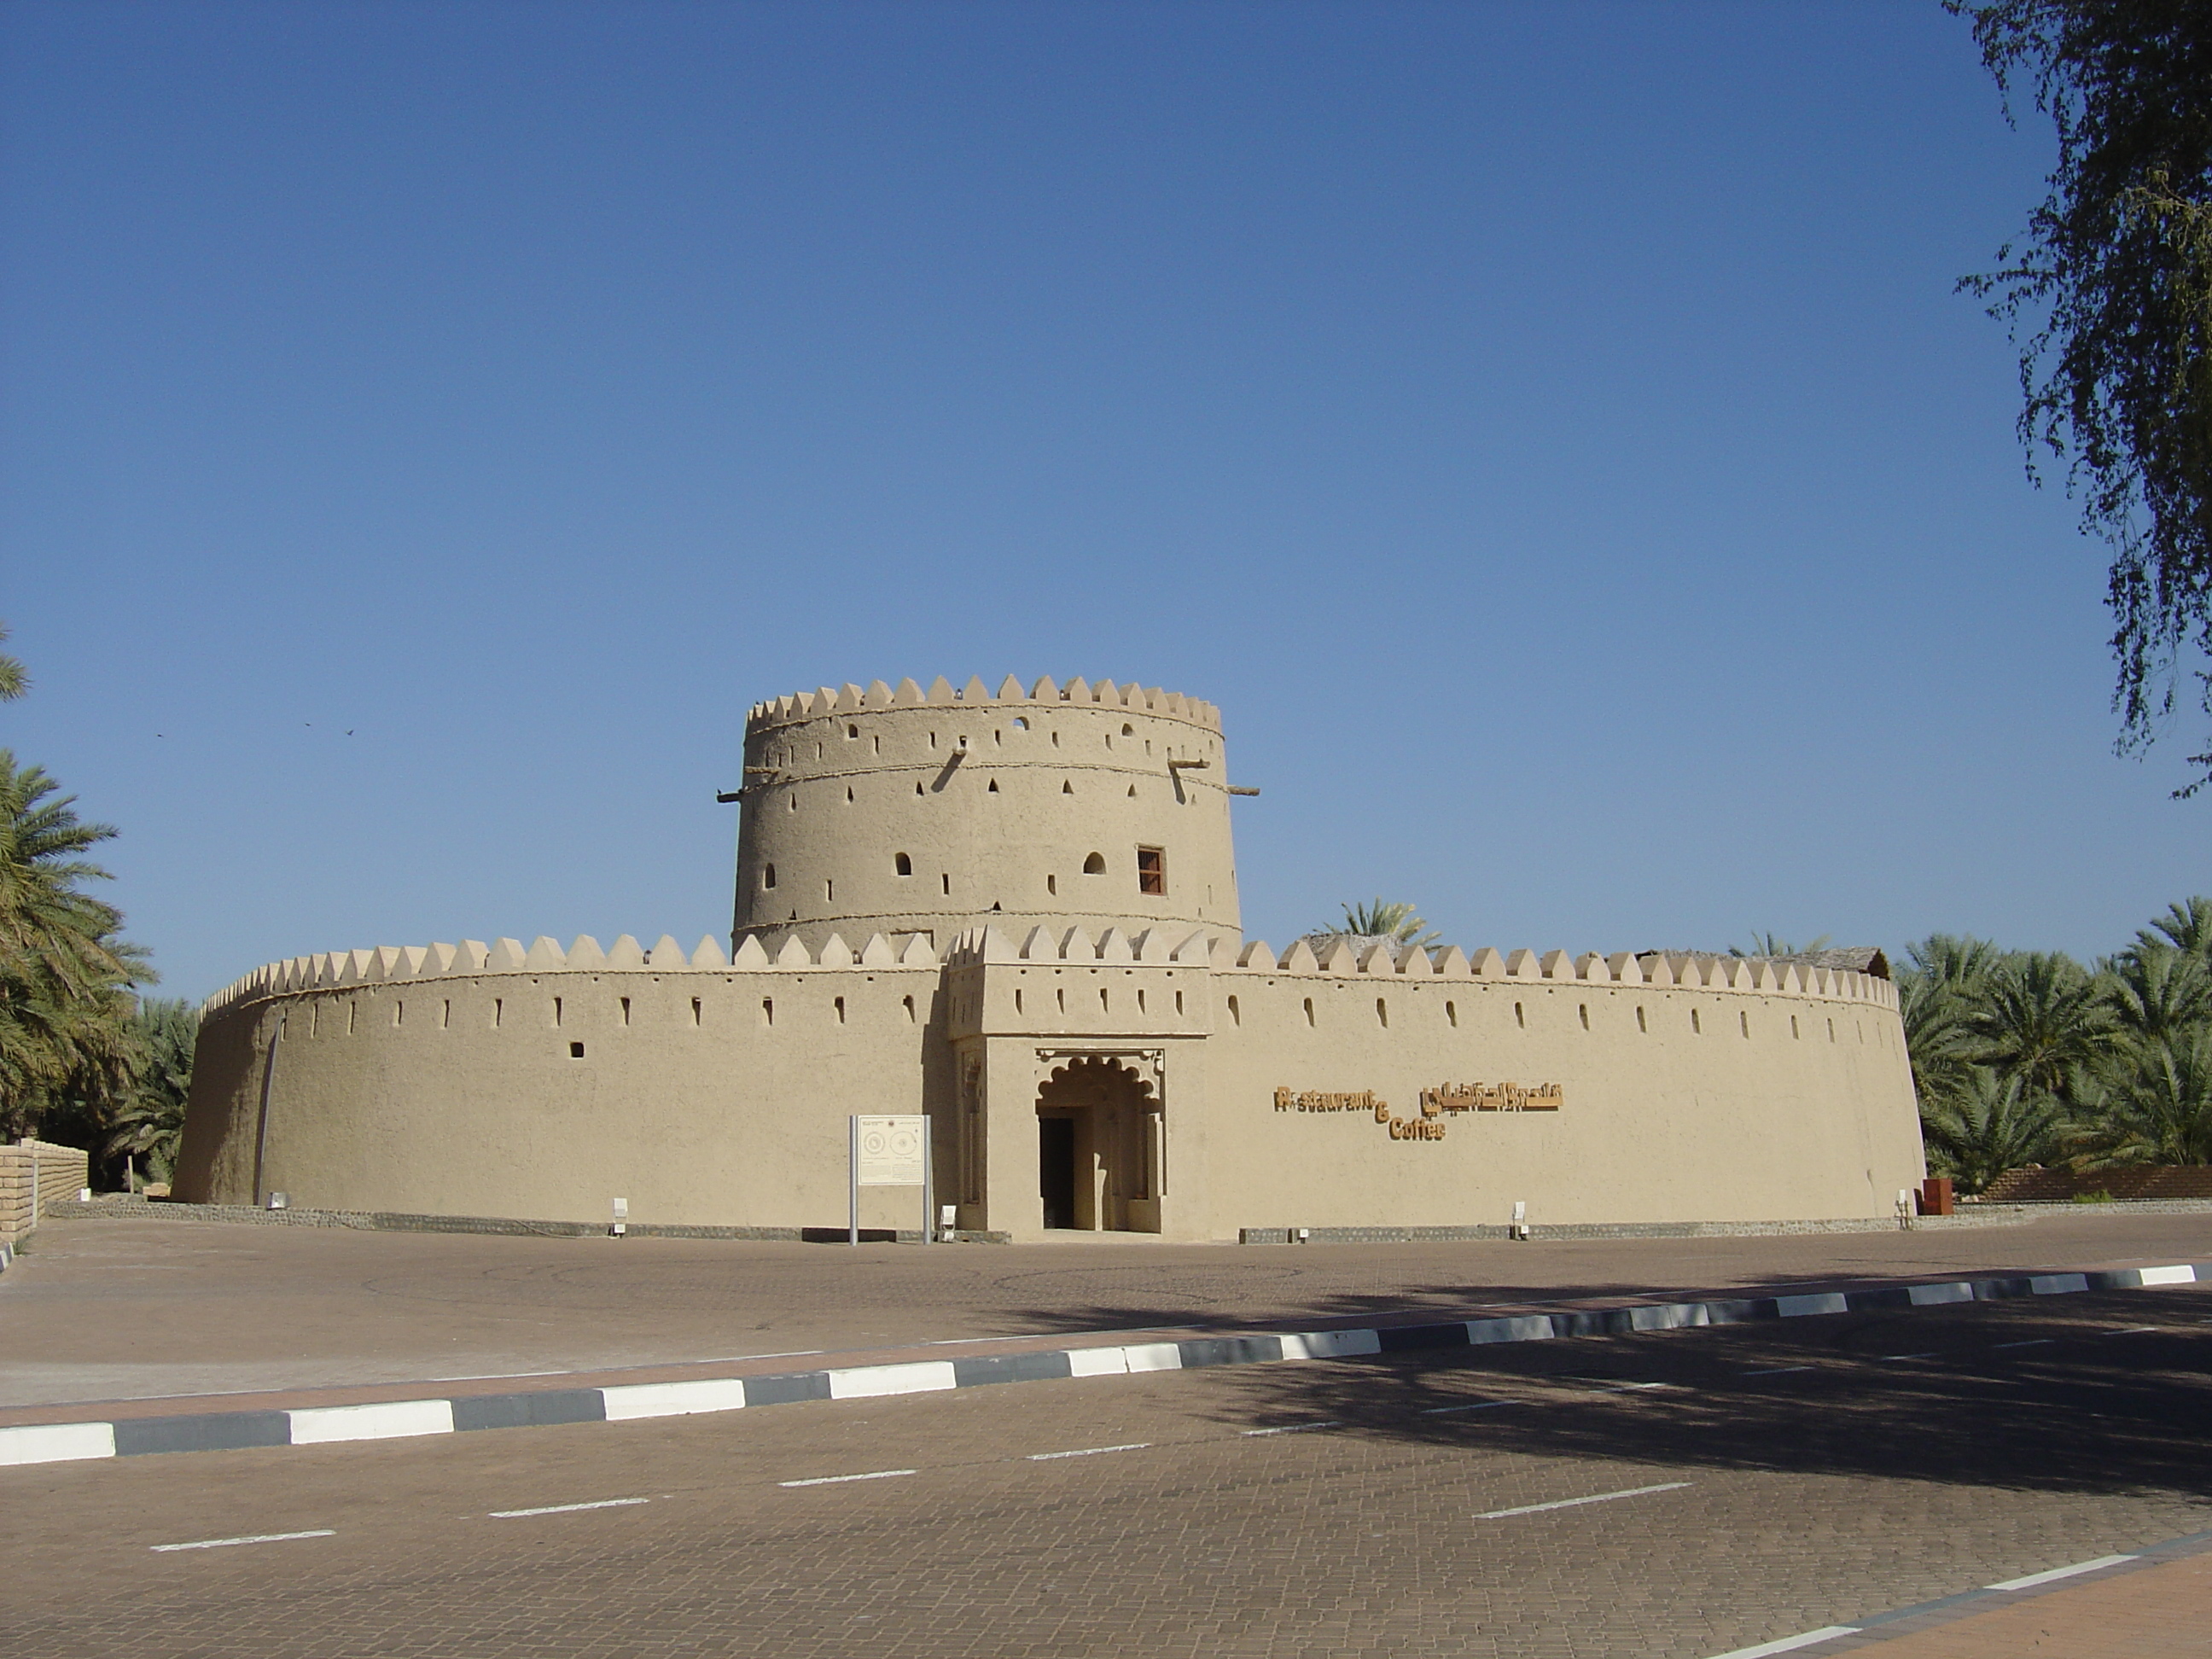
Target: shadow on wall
[(2078, 1416)]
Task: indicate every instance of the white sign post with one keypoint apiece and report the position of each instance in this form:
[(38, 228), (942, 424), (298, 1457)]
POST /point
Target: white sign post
[(889, 1151)]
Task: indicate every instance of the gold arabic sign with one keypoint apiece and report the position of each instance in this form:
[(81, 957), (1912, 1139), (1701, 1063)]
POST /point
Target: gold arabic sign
[(1436, 1103)]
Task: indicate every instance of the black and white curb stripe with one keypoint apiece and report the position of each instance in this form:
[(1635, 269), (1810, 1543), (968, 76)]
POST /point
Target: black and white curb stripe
[(312, 1425)]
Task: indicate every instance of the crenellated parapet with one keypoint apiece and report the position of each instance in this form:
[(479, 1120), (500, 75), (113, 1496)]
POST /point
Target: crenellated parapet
[(473, 959), (1754, 975), (852, 699)]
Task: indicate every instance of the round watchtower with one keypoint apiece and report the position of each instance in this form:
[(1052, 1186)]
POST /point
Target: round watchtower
[(909, 811)]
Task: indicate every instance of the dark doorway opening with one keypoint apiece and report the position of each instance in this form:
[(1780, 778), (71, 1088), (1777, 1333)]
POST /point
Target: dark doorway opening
[(1056, 1169)]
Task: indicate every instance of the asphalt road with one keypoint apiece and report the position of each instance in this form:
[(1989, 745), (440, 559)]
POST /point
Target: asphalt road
[(1683, 1493)]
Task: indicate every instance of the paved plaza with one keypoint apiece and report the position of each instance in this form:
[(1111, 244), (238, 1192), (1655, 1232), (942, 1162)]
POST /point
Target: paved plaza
[(1679, 1493)]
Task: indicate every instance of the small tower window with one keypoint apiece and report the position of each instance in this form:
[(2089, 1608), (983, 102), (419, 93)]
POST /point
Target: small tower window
[(945, 881), (1052, 884), (993, 789), (1152, 871), (1095, 864), (768, 876), (1309, 1019), (852, 731), (902, 864), (1236, 1014), (1065, 787)]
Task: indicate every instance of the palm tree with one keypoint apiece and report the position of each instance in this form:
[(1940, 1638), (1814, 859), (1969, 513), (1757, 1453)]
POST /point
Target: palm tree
[(2041, 1018), (14, 682), (2158, 1109), (149, 1121), (2186, 927), (2157, 994), (1989, 1124), (1939, 985), (1395, 922), (64, 971)]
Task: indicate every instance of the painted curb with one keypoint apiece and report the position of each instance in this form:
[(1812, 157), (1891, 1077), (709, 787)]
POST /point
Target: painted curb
[(58, 1443)]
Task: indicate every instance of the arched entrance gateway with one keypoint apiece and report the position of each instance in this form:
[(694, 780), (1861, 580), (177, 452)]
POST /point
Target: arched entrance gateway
[(1098, 1147)]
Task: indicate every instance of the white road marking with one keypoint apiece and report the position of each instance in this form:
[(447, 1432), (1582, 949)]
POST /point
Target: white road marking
[(836, 1479), (2135, 1330), (1478, 1405), (1889, 1359), (1779, 1370), (255, 1538), (1092, 1451), (1619, 1387), (1789, 1644), (1287, 1428), (1575, 1503), (2057, 1573), (2037, 1342), (568, 1509)]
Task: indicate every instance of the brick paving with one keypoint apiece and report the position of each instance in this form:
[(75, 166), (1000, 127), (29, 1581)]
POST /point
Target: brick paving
[(2149, 1614), (2023, 1436), (117, 1309)]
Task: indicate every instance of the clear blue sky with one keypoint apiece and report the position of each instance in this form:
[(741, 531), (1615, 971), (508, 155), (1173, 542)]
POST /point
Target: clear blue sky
[(1547, 431)]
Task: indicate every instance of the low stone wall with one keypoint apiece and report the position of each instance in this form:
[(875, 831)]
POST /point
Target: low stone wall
[(2062, 1186), (37, 1177)]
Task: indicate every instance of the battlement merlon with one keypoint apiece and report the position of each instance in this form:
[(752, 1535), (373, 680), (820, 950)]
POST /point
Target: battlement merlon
[(942, 694)]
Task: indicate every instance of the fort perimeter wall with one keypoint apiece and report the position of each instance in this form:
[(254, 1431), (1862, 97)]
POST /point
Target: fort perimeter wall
[(445, 1080)]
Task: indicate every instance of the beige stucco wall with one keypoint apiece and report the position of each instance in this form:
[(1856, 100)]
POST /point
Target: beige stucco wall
[(997, 799), (403, 1083)]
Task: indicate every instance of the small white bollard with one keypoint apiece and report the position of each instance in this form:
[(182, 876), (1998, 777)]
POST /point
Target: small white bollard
[(1520, 1218), (622, 1219)]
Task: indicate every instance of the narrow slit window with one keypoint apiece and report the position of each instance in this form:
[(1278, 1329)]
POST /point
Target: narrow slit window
[(1141, 1000), (1178, 1002), (353, 1011), (946, 882), (841, 1010), (1451, 1013), (1832, 1030), (1382, 1013), (1697, 1026), (1018, 1000), (1152, 869), (908, 1004), (446, 1019), (1309, 1019), (1236, 1014), (1520, 1018), (829, 889), (625, 1005), (768, 1010), (398, 1013), (1793, 1027), (1051, 884), (791, 801), (849, 795), (1583, 1010), (556, 1011), (498, 1011), (767, 877), (695, 1011), (1641, 1026), (1062, 995), (1744, 1020), (1105, 1005)]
